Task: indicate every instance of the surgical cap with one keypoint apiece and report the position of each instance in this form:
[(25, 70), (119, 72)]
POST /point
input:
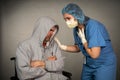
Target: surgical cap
[(75, 11)]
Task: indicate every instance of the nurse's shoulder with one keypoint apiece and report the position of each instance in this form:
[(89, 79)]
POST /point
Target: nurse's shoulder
[(92, 23)]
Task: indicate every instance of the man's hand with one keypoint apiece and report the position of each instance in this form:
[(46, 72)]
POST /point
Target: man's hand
[(52, 58), (37, 63)]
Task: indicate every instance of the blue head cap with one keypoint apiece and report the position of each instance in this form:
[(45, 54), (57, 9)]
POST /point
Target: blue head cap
[(75, 11)]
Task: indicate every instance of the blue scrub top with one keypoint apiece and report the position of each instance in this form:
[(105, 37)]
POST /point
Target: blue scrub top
[(96, 36)]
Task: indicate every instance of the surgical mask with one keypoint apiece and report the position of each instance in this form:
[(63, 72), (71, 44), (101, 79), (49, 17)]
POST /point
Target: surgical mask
[(72, 23)]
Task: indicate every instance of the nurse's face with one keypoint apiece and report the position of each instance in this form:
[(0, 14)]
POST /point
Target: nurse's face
[(70, 20), (68, 17)]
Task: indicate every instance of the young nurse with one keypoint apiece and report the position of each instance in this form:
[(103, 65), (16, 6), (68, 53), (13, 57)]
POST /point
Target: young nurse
[(92, 38)]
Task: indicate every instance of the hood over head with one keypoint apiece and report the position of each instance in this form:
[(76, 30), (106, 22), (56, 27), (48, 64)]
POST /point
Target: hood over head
[(42, 27)]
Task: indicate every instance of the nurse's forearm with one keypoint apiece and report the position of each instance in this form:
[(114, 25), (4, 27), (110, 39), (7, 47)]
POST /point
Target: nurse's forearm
[(72, 48), (93, 52)]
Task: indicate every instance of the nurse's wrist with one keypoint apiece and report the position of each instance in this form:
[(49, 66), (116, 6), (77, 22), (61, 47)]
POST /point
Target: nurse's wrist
[(85, 45), (63, 47), (84, 41)]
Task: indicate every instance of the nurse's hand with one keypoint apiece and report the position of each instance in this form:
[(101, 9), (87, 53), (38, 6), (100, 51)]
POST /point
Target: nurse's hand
[(81, 34), (63, 47)]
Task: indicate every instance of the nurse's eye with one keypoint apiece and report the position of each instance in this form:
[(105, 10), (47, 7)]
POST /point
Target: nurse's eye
[(67, 19)]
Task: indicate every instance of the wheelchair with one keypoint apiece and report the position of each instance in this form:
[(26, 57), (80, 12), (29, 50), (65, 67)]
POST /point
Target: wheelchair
[(15, 77)]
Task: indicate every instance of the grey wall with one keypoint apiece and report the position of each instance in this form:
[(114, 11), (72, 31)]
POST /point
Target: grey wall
[(17, 20)]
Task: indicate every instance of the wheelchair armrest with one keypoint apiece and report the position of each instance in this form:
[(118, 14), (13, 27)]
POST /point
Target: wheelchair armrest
[(12, 58), (67, 74)]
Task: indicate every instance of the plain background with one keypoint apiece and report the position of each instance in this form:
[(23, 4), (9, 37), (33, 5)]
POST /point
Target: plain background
[(17, 19)]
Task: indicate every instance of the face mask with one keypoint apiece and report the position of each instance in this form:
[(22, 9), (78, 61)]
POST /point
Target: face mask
[(72, 23)]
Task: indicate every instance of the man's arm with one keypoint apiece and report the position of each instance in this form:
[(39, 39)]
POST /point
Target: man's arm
[(24, 69), (55, 62), (37, 63)]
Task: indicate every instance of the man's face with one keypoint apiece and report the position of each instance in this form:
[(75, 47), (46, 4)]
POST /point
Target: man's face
[(50, 33)]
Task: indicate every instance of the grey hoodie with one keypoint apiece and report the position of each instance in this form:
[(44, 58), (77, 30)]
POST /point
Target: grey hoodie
[(32, 49)]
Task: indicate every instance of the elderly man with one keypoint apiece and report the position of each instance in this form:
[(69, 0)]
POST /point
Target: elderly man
[(39, 57)]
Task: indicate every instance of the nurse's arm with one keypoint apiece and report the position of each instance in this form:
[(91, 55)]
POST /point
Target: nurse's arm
[(69, 48), (93, 52), (72, 48)]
